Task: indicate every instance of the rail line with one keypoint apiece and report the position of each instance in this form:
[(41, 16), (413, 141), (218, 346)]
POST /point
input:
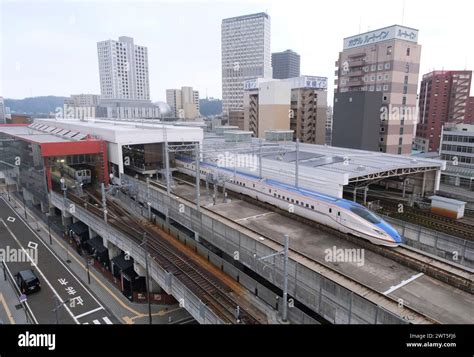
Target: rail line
[(439, 268), (427, 219), (212, 292), (411, 311)]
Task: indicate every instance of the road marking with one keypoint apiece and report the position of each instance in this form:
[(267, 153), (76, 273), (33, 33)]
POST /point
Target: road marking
[(111, 293), (39, 270), (53, 253), (253, 217), (7, 309), (96, 322), (32, 245), (88, 313), (403, 283), (107, 320), (79, 262), (11, 219)]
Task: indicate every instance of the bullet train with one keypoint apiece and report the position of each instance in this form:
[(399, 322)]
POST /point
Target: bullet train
[(341, 214)]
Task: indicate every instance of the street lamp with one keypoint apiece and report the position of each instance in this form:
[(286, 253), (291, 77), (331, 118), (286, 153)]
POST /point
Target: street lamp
[(147, 277), (55, 310), (64, 188)]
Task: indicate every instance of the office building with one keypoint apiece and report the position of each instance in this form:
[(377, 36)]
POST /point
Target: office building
[(443, 99), (246, 54), (184, 102), (457, 148), (386, 61), (298, 104), (358, 120), (123, 69), (2, 111), (285, 64), (469, 118)]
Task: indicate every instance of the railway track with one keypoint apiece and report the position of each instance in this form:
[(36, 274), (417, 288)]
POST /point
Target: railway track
[(436, 267), (415, 259), (429, 220), (203, 284)]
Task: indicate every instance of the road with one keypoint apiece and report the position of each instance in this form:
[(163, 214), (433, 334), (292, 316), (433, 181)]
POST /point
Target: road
[(58, 283)]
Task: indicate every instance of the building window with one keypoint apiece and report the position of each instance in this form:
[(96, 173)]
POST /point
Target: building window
[(385, 88), (387, 65), (389, 50), (408, 51), (373, 67), (380, 66), (381, 139), (404, 100), (399, 151)]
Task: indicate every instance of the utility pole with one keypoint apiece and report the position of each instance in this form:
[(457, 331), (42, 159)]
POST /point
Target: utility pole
[(147, 277), (284, 253), (57, 306), (104, 201), (297, 164), (198, 177)]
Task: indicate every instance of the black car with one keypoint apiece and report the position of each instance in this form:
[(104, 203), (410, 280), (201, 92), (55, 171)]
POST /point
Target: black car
[(27, 281)]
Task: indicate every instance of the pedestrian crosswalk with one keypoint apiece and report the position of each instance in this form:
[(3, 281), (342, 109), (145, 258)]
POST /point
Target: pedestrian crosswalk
[(98, 321)]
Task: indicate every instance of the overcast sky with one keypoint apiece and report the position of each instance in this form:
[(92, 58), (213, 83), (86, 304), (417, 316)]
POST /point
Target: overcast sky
[(49, 47)]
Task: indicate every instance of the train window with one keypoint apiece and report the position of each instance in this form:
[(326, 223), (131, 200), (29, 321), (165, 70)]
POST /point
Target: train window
[(253, 185), (366, 214), (288, 199), (270, 191), (292, 200), (307, 205), (274, 195), (279, 196), (297, 202), (330, 210), (312, 207), (339, 214)]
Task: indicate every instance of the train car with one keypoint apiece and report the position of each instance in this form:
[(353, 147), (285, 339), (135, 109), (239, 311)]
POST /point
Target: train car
[(341, 214), (72, 175)]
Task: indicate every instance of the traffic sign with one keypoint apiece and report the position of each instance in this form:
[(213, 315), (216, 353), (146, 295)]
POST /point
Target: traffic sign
[(23, 298)]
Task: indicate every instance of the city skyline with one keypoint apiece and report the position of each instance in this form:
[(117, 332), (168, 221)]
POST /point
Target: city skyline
[(174, 63)]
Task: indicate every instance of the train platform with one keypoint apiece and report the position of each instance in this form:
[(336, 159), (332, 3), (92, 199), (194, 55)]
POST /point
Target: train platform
[(429, 296)]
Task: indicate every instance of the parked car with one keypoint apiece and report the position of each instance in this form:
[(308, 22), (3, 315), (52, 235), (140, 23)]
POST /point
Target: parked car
[(27, 281)]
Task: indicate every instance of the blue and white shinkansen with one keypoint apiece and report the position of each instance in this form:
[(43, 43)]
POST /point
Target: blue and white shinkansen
[(341, 214)]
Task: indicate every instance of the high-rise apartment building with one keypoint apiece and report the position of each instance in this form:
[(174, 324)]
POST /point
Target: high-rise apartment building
[(123, 69), (298, 104), (386, 61), (184, 102), (2, 111), (246, 54), (285, 64), (443, 99), (469, 111)]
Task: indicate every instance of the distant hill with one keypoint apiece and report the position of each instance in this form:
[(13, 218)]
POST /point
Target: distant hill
[(35, 105), (210, 106)]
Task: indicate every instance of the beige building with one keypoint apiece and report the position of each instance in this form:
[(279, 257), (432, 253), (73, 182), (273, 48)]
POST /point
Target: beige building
[(184, 102), (298, 104), (388, 61)]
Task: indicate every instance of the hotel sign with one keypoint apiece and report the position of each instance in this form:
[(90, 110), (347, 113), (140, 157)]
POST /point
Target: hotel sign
[(251, 84), (387, 33)]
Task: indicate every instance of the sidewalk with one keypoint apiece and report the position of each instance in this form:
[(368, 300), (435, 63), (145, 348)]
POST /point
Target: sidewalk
[(113, 300)]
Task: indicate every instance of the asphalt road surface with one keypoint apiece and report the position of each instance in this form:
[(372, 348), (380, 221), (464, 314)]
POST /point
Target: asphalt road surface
[(59, 285)]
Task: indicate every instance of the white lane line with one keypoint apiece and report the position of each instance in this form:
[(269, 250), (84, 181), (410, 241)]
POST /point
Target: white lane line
[(403, 283), (96, 322), (85, 323), (53, 253), (39, 271), (107, 320), (253, 217), (88, 312)]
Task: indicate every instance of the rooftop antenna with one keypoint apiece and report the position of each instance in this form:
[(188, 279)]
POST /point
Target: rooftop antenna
[(403, 13)]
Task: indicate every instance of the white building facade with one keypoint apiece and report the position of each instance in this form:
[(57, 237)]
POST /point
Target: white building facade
[(246, 54), (123, 68)]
